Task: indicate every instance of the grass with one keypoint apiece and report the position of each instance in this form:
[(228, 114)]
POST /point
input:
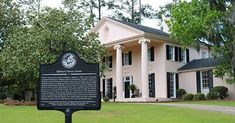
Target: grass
[(115, 113), (212, 102)]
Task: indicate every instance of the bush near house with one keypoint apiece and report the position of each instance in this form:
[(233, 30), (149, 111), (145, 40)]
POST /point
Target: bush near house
[(106, 99), (212, 96), (3, 96), (187, 97), (180, 93), (221, 91), (199, 96)]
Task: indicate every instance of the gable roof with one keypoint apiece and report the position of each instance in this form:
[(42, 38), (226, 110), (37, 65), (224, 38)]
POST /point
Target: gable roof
[(199, 64), (143, 28)]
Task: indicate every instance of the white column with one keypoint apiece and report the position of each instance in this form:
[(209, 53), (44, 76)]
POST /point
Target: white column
[(119, 81), (144, 67)]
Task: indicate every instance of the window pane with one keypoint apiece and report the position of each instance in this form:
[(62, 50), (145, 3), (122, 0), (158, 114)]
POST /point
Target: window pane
[(205, 79), (183, 55)]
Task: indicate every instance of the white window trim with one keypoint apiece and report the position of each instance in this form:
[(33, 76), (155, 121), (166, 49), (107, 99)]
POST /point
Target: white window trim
[(184, 59), (207, 79), (206, 54), (126, 63), (173, 53), (174, 86)]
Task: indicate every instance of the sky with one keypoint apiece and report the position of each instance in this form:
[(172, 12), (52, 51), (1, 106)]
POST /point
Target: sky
[(152, 23)]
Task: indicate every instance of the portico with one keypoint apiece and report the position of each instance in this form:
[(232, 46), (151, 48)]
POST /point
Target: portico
[(144, 70)]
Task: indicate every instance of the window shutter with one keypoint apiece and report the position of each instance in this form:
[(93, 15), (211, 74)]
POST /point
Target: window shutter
[(210, 79), (152, 54), (187, 55), (198, 80), (103, 87), (167, 52), (153, 84), (168, 85), (180, 54), (110, 62), (122, 59), (177, 81), (130, 57), (176, 54), (111, 88)]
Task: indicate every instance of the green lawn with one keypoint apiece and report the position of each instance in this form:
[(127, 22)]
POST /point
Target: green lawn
[(217, 103), (114, 113)]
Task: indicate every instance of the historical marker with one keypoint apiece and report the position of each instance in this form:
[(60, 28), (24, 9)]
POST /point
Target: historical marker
[(69, 85)]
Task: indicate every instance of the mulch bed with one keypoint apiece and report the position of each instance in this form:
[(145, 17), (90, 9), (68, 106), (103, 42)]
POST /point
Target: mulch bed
[(10, 102)]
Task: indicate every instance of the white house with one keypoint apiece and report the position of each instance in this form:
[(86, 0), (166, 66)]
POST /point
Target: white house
[(149, 59)]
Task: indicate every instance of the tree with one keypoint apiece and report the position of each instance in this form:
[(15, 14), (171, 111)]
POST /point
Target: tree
[(46, 35), (88, 6), (206, 21), (10, 17), (129, 11)]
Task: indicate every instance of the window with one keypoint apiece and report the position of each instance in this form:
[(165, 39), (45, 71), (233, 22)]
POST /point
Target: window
[(204, 55), (172, 84), (183, 55), (108, 61), (205, 79), (152, 85), (172, 53), (107, 87), (151, 54), (177, 54), (127, 58)]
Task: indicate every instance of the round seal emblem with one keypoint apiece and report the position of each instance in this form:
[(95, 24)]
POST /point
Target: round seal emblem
[(69, 60)]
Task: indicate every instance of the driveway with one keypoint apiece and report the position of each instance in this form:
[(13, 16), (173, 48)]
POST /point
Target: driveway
[(222, 109)]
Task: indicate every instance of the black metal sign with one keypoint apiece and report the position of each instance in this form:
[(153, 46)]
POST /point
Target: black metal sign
[(69, 85)]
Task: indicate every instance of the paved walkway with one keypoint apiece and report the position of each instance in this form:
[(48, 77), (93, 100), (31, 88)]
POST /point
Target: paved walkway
[(222, 109)]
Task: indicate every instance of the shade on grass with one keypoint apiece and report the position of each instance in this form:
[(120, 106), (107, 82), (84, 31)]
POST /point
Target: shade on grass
[(114, 113)]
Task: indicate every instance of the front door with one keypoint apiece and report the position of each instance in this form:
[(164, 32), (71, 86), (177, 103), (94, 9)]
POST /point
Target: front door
[(127, 91)]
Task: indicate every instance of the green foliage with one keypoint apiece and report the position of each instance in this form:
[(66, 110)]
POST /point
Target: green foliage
[(180, 93), (132, 87), (128, 10), (48, 32), (221, 91), (106, 99), (187, 97), (199, 96), (207, 21), (212, 96), (3, 96)]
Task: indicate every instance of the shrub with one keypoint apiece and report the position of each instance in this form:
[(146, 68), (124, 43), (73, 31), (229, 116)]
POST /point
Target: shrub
[(3, 96), (212, 96), (187, 97), (199, 96), (106, 99), (180, 93), (221, 91)]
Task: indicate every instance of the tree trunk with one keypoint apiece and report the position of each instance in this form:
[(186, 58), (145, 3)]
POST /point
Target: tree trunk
[(140, 12), (132, 11), (99, 7)]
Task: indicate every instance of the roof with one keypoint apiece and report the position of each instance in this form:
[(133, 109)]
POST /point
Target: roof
[(199, 64), (144, 28)]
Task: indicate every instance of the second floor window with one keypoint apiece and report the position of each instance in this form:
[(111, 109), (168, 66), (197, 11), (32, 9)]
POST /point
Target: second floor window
[(170, 53), (183, 55), (174, 53), (151, 54), (127, 58), (204, 55)]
